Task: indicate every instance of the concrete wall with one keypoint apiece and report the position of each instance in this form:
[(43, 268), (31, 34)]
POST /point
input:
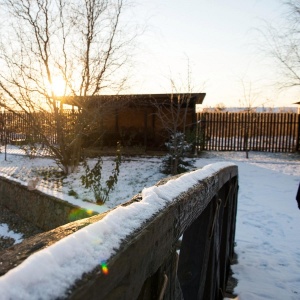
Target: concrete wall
[(42, 210)]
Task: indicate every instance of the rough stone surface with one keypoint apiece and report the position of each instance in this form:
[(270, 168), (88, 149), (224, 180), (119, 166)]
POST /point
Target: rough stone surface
[(17, 225), (43, 211), (32, 214)]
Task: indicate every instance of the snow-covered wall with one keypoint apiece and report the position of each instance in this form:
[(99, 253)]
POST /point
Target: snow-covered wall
[(44, 211), (114, 256)]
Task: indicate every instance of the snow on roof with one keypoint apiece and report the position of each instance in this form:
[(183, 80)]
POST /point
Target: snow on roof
[(48, 274)]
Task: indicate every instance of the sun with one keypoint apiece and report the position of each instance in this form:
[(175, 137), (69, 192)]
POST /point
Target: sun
[(58, 86)]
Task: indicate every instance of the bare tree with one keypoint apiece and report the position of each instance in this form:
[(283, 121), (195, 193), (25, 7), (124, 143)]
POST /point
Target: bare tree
[(281, 44), (248, 103), (220, 107), (173, 115), (81, 44)]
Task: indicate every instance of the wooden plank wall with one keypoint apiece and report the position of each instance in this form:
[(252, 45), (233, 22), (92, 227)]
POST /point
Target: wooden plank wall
[(225, 131)]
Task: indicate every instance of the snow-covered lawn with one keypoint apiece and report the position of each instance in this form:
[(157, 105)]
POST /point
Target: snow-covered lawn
[(135, 174), (268, 219)]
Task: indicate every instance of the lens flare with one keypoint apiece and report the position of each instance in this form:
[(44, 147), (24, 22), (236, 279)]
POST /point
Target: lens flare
[(79, 213), (104, 268)]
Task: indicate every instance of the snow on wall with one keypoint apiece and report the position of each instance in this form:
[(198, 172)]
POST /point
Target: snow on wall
[(45, 211), (48, 274)]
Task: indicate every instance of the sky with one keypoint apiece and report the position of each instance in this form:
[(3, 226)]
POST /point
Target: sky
[(267, 228), (210, 46), (219, 41)]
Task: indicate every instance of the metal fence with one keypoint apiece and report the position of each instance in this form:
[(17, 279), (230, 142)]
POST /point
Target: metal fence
[(225, 131)]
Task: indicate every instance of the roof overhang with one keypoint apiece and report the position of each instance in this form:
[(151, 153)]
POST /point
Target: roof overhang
[(190, 99)]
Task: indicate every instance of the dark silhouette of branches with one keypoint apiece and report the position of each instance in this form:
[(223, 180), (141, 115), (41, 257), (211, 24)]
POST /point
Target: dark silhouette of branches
[(80, 43)]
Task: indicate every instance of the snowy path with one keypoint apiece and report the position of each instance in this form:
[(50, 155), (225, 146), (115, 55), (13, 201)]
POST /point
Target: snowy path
[(267, 234)]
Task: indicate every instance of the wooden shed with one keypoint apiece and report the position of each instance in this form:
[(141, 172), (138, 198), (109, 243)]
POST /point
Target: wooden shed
[(141, 119)]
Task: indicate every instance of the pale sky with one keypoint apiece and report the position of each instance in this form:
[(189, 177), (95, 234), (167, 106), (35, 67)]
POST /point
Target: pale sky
[(219, 38)]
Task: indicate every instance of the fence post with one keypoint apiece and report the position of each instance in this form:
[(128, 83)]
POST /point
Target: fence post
[(298, 138), (194, 254)]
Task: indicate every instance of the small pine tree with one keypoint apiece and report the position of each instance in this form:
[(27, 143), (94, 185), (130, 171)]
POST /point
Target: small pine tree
[(174, 162)]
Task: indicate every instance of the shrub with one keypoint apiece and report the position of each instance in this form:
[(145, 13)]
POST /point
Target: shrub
[(92, 178)]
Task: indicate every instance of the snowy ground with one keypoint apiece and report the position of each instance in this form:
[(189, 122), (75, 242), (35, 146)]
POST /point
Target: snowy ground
[(135, 174), (268, 222), (268, 219)]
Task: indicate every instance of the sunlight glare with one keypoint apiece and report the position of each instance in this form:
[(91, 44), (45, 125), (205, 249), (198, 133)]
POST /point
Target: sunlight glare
[(58, 86)]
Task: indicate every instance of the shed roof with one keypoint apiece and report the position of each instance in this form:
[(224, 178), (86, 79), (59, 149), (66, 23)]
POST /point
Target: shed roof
[(190, 99)]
